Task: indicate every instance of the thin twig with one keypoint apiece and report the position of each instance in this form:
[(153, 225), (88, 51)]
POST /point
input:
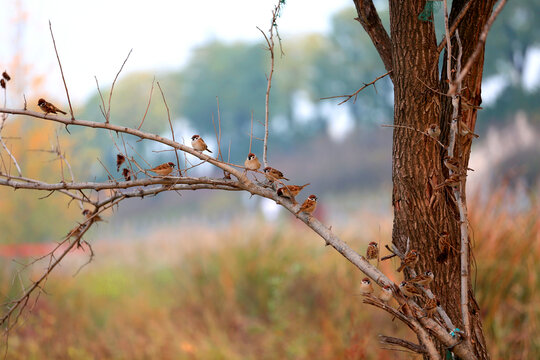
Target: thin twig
[(102, 106), (107, 118), (11, 156), (251, 133), (111, 177), (355, 94), (172, 129), (147, 106), (219, 129), (270, 42), (61, 72)]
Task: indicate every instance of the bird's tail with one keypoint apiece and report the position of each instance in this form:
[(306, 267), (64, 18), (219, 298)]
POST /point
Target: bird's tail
[(60, 111), (210, 151)]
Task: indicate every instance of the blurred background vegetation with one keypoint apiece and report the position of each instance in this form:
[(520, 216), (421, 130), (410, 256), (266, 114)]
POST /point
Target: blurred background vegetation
[(197, 282)]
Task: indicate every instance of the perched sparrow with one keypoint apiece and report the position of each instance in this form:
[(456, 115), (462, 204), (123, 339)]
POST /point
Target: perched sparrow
[(163, 169), (409, 289), (386, 294), (252, 163), (88, 214), (47, 107), (309, 205), (372, 251), (75, 232), (126, 173), (273, 174), (434, 131), (409, 260), (119, 161), (430, 307), (198, 144), (467, 105), (444, 247), (454, 180), (452, 163), (290, 191), (423, 279), (465, 131), (6, 76), (366, 287)]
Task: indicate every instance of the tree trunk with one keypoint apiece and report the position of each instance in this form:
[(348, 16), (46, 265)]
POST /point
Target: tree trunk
[(421, 212)]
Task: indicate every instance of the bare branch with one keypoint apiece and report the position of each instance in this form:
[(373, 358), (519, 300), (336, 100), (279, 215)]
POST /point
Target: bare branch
[(134, 132), (270, 42), (61, 72), (107, 118), (172, 128), (479, 47), (355, 94), (149, 101), (455, 24), (11, 156)]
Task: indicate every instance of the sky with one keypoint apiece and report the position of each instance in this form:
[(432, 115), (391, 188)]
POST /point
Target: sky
[(94, 37)]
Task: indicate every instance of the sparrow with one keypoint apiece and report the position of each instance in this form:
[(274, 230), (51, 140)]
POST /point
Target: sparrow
[(198, 144), (273, 174), (252, 163), (409, 260), (454, 180), (465, 131), (6, 76), (119, 161), (434, 131), (430, 307), (75, 232), (88, 214), (452, 163), (423, 279), (467, 105), (163, 169), (444, 247), (386, 294), (309, 205), (290, 191), (47, 107), (372, 251), (366, 287), (126, 173), (409, 289)]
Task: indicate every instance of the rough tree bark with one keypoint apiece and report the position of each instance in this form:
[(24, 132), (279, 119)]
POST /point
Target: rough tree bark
[(422, 213)]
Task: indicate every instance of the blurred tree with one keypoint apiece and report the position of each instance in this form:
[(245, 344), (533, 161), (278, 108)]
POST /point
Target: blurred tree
[(344, 63), (235, 74), (509, 47)]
